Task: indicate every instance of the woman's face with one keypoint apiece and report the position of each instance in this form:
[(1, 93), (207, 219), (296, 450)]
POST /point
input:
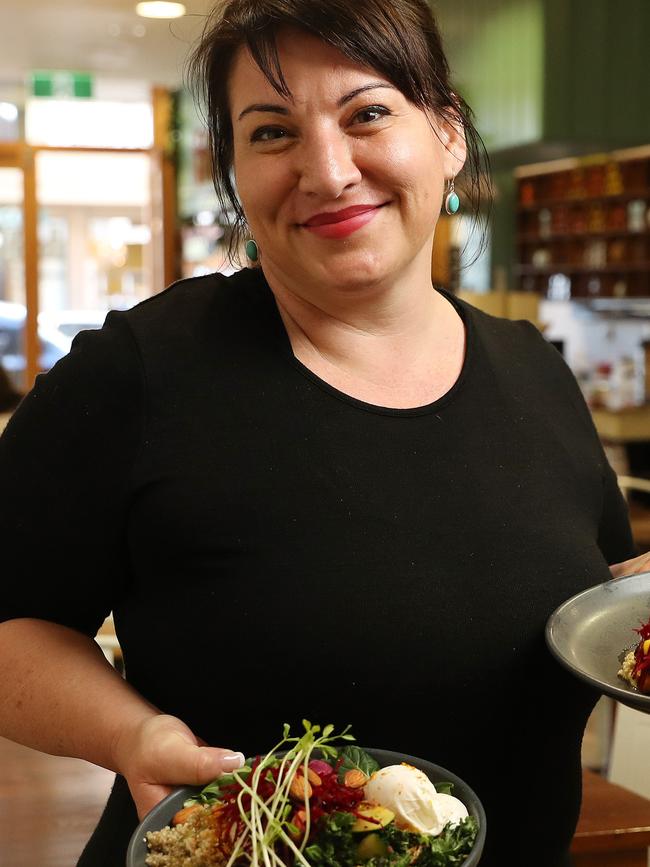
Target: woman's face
[(341, 186)]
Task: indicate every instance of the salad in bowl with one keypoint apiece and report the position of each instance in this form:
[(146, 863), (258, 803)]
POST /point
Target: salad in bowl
[(317, 801)]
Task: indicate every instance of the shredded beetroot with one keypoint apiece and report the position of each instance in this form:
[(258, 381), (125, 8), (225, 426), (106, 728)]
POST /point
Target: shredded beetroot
[(644, 631), (330, 797), (641, 671)]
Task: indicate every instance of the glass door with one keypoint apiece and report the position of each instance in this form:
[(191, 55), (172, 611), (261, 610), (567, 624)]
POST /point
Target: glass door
[(13, 295), (95, 240)]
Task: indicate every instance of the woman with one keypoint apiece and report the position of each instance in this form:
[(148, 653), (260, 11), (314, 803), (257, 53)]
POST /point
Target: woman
[(325, 488)]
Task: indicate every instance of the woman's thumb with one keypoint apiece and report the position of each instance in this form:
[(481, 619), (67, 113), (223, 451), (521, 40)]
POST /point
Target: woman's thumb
[(196, 765)]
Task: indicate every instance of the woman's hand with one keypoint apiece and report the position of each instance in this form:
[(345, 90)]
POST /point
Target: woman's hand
[(160, 753), (631, 567)]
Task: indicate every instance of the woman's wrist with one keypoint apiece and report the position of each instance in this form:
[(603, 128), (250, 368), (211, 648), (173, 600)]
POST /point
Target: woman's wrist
[(127, 741)]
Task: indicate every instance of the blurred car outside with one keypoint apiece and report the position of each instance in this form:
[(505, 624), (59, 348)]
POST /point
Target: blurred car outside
[(56, 331)]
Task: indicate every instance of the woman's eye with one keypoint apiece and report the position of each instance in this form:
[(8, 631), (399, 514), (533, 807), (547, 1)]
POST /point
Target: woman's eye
[(268, 133), (372, 113)]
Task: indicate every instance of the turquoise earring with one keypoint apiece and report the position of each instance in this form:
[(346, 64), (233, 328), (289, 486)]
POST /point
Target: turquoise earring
[(252, 250), (452, 202)]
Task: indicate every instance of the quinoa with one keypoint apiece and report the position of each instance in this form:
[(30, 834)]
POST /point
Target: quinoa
[(190, 844), (627, 667)]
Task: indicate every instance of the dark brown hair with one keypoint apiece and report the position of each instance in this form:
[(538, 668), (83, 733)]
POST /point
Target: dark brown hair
[(397, 38)]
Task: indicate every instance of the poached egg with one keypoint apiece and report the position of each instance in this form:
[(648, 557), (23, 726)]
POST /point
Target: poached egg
[(412, 797)]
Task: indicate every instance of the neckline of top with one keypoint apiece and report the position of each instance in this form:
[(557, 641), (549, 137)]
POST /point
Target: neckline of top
[(376, 409)]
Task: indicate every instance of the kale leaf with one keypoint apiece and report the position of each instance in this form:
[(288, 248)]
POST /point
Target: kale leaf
[(449, 849), (334, 844)]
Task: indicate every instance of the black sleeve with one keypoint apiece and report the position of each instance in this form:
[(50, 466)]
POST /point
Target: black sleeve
[(66, 459), (614, 532)]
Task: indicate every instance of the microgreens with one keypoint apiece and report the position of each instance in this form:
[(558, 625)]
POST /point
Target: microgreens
[(267, 821)]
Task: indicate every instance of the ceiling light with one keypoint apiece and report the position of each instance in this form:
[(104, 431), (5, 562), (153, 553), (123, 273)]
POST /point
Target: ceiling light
[(158, 9), (8, 112)]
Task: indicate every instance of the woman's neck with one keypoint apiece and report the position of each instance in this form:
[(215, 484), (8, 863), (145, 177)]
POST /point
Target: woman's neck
[(398, 349)]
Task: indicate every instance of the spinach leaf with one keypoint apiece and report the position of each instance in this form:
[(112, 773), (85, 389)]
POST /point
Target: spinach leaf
[(354, 758)]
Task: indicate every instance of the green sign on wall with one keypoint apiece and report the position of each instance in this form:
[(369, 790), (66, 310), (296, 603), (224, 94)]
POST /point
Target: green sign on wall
[(62, 84)]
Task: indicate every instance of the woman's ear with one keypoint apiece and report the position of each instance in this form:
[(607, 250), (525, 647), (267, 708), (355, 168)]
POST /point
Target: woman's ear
[(452, 136)]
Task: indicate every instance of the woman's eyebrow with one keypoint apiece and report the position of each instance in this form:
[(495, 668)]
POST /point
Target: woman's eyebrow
[(358, 90), (282, 109), (262, 106)]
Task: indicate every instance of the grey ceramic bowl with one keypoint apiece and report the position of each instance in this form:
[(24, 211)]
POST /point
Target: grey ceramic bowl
[(162, 814), (588, 632)]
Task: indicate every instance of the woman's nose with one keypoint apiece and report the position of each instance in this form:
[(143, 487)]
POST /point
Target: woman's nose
[(327, 164)]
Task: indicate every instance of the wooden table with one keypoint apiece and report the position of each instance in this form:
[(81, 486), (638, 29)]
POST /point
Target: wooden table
[(614, 826)]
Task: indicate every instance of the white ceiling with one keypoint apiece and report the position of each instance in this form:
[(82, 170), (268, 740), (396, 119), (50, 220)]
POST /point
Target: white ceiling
[(100, 36)]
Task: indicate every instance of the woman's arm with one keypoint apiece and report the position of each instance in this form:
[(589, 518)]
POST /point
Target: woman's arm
[(61, 696)]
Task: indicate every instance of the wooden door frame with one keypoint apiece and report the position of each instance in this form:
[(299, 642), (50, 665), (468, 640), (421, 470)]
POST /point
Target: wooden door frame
[(19, 156)]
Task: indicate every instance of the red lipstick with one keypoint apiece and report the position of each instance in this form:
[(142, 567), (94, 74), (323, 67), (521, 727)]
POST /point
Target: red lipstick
[(340, 224)]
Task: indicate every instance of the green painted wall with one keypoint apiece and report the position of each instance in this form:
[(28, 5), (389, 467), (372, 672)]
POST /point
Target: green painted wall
[(496, 51), (597, 71), (566, 73)]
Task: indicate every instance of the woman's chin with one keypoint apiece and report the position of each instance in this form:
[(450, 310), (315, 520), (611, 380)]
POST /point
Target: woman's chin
[(349, 268)]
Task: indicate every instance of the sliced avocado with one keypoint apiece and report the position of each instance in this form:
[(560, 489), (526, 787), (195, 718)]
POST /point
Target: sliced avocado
[(371, 846), (377, 818)]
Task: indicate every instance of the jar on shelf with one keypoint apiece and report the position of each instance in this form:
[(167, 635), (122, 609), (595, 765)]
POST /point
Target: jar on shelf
[(617, 217), (527, 193), (616, 252), (544, 219), (613, 180), (577, 188), (541, 257), (596, 219), (636, 215), (595, 254), (559, 287), (596, 180), (594, 286)]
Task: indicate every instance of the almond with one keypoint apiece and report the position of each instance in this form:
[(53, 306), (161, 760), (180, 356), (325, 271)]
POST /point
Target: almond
[(300, 788), (355, 779), (313, 778), (298, 821)]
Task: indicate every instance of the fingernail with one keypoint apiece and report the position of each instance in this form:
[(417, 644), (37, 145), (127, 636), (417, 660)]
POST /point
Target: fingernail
[(232, 761)]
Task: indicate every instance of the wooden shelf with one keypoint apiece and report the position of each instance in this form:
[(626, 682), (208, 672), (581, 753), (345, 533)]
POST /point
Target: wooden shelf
[(625, 252), (565, 268), (586, 199), (554, 237)]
